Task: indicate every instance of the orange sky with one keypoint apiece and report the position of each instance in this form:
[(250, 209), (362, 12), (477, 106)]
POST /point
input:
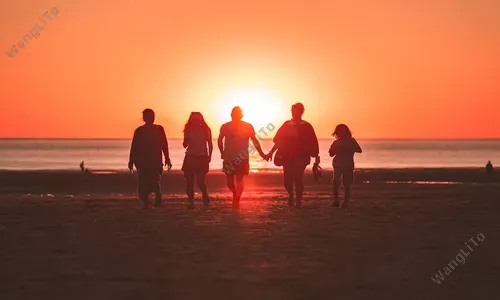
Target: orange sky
[(394, 69)]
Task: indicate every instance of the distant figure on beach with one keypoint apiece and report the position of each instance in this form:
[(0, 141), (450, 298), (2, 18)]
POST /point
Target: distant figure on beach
[(342, 150), (489, 168), (296, 143), (148, 144), (233, 145), (199, 147), (82, 166)]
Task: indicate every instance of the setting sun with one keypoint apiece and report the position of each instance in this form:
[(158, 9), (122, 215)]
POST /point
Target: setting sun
[(260, 107)]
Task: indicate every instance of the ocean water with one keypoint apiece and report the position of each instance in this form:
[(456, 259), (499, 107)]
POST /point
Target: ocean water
[(66, 154)]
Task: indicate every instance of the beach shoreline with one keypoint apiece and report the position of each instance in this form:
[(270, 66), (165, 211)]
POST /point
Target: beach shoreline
[(72, 182)]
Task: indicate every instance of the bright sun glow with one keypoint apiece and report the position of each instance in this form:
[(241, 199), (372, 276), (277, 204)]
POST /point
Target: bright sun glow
[(260, 107)]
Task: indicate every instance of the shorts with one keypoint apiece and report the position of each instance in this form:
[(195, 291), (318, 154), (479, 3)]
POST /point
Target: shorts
[(195, 164), (298, 160), (236, 167), (344, 174)]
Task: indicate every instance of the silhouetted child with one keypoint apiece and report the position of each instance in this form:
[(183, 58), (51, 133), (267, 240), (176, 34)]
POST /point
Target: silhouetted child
[(342, 150), (489, 168)]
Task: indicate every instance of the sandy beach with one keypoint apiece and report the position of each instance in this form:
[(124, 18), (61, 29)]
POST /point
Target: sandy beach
[(68, 235)]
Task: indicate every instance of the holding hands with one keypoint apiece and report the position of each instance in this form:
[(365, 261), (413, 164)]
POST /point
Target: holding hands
[(266, 157), (269, 156)]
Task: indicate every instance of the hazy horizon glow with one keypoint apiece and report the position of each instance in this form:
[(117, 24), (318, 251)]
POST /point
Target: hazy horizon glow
[(390, 69)]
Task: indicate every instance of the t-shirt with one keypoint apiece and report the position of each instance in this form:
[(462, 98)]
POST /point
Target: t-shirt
[(147, 145), (197, 138), (236, 136), (343, 151), (297, 140)]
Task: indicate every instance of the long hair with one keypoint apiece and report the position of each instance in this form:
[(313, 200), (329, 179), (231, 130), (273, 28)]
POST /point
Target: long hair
[(190, 124), (342, 131)]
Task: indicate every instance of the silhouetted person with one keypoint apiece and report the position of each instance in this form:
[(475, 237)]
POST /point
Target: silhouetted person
[(489, 168), (296, 143), (146, 154), (82, 166), (233, 145), (197, 140), (342, 150)]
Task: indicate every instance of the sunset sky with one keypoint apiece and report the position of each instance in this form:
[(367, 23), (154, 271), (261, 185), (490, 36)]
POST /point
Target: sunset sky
[(388, 69)]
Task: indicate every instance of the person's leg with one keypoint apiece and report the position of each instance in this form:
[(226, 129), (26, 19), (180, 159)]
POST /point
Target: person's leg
[(157, 189), (230, 182), (336, 184), (348, 179), (288, 181), (200, 179), (143, 189), (347, 195), (228, 169), (189, 176), (240, 186), (298, 177)]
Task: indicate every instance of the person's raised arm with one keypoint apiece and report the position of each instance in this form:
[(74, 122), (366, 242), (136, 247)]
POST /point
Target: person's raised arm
[(164, 148), (210, 145), (220, 141)]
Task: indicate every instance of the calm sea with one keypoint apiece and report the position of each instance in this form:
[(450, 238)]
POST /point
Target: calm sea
[(60, 154)]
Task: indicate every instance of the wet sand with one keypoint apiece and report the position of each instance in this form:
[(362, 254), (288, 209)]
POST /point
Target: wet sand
[(66, 235)]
